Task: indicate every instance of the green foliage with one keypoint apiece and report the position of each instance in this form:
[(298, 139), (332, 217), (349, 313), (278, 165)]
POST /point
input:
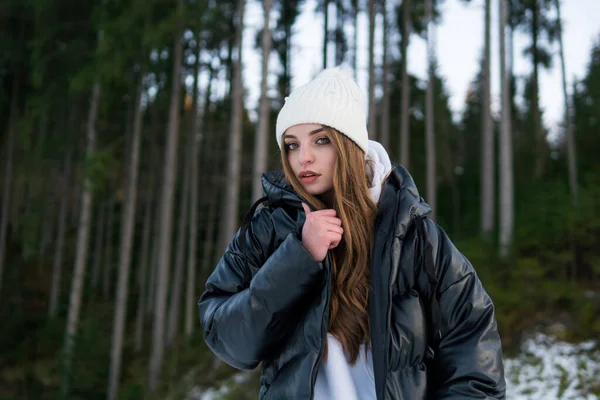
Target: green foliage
[(101, 167)]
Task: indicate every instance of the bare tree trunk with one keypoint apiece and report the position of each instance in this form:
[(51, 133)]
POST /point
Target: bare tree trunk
[(325, 31), (8, 167), (173, 320), (430, 134), (372, 108), (195, 137), (487, 143), (385, 112), (143, 270), (153, 267), (355, 41), (405, 112), (211, 226), (537, 117), (60, 238), (146, 255), (77, 194), (339, 36), (191, 297), (108, 249), (101, 223), (82, 248), (40, 188), (571, 155), (47, 229), (210, 203), (127, 229), (262, 137), (166, 215), (506, 164), (230, 211)]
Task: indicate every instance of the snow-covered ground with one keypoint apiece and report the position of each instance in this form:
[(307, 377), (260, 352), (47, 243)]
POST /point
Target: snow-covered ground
[(545, 369), (548, 369)]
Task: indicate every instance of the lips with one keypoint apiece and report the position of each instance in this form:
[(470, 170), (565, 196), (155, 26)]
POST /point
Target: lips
[(308, 176)]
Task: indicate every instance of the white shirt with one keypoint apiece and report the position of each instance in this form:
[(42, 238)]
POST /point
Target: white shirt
[(338, 380)]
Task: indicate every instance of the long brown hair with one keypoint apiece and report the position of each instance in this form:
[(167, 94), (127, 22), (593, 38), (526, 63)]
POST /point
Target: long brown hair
[(350, 274)]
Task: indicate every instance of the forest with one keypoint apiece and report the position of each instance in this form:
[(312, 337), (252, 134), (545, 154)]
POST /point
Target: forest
[(129, 156)]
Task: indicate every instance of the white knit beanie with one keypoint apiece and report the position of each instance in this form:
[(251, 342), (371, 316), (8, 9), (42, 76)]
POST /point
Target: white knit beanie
[(332, 98)]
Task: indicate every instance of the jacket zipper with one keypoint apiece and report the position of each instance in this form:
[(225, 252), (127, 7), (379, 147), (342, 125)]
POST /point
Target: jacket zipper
[(315, 368)]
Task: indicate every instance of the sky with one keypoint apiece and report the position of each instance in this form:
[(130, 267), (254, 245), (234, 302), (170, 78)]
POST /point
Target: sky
[(459, 43)]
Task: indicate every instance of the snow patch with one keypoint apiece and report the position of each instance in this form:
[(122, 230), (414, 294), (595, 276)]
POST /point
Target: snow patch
[(551, 369)]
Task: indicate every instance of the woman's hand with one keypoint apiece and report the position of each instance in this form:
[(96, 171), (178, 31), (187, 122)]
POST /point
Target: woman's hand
[(321, 232)]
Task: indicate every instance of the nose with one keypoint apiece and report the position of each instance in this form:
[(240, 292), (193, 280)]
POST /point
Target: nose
[(305, 155)]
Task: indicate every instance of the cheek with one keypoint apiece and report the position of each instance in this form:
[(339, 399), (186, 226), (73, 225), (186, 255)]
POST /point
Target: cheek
[(292, 161), (332, 161)]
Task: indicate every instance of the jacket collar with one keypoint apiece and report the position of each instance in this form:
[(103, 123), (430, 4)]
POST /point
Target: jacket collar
[(399, 180), (278, 191)]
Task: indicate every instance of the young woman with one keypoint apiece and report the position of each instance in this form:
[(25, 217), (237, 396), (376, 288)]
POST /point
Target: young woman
[(341, 286)]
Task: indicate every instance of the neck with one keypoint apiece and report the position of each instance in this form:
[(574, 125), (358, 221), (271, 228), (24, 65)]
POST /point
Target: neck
[(327, 198)]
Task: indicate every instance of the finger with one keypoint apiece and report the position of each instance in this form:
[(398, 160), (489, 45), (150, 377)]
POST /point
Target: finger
[(334, 244), (334, 239), (325, 213), (306, 209), (331, 221), (335, 229)]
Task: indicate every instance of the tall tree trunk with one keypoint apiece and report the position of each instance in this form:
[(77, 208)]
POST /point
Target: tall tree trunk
[(40, 187), (571, 157), (101, 222), (8, 167), (127, 229), (355, 41), (340, 36), (175, 301), (210, 203), (230, 211), (191, 298), (153, 265), (145, 266), (372, 108), (404, 112), (261, 143), (83, 232), (506, 163), (108, 248), (385, 112), (430, 134), (195, 137), (77, 178), (537, 122), (47, 228), (287, 59), (166, 214), (487, 143), (60, 238), (18, 193), (325, 31)]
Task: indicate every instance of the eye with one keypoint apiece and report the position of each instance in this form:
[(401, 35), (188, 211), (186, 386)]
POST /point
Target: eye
[(291, 146), (323, 140)]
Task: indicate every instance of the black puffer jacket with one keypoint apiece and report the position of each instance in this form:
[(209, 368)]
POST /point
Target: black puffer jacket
[(267, 301)]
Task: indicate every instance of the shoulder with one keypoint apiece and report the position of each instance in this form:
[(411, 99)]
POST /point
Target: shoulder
[(401, 200), (269, 227)]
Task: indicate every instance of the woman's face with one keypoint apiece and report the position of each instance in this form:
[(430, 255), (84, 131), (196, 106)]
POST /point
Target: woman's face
[(312, 157)]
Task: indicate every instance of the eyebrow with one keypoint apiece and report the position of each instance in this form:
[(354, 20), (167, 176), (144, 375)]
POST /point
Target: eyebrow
[(287, 135)]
